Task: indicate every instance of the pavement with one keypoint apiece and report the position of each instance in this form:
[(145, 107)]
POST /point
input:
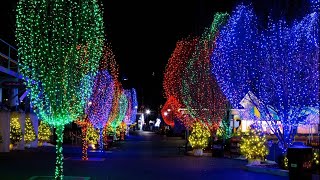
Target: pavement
[(142, 156)]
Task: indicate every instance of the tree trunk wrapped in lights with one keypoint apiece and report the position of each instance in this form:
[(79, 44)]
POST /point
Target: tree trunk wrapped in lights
[(60, 41), (277, 69)]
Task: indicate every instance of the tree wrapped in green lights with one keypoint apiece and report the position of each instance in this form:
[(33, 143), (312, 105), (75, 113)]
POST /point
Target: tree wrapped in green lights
[(59, 43)]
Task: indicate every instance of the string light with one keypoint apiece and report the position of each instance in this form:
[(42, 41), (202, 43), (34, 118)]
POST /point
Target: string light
[(59, 43)]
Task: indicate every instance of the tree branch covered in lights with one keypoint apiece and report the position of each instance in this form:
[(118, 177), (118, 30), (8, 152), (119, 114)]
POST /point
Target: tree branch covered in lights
[(277, 69), (202, 95), (59, 43)]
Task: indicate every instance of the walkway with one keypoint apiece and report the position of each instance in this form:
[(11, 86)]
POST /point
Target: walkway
[(143, 156)]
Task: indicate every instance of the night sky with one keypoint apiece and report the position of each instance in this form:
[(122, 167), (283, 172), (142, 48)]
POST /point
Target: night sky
[(144, 33)]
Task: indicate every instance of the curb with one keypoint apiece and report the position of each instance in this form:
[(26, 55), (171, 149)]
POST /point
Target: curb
[(278, 172)]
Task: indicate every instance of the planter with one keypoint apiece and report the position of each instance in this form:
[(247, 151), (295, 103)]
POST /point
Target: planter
[(254, 161), (198, 152)]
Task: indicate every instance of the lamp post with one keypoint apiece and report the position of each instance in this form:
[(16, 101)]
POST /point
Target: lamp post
[(147, 113)]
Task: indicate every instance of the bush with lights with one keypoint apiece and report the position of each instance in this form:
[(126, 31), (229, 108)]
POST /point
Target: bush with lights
[(30, 134), (44, 132), (199, 136), (253, 145)]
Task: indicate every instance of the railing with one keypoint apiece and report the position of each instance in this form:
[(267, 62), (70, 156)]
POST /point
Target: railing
[(8, 56)]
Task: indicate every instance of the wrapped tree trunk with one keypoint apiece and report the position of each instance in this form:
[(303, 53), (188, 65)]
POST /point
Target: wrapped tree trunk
[(59, 159)]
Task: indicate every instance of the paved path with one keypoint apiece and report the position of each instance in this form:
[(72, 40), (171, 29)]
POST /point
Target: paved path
[(143, 156)]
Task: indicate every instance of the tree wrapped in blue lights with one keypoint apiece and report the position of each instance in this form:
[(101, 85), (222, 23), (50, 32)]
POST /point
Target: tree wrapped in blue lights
[(278, 65), (134, 106), (288, 93), (235, 57)]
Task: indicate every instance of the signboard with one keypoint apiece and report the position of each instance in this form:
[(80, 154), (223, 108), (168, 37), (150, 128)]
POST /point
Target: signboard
[(12, 84)]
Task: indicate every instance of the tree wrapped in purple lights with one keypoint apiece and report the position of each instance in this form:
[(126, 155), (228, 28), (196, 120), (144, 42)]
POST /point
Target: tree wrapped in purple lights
[(132, 108), (100, 103), (279, 66)]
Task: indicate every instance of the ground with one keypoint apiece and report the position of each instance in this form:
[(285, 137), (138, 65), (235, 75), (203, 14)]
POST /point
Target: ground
[(142, 156)]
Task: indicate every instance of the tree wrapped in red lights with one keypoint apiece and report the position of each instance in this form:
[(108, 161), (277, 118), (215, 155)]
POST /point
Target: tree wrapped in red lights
[(168, 110), (174, 72), (202, 95)]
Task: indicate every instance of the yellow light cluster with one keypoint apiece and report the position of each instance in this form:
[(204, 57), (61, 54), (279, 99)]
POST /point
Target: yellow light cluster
[(253, 145), (44, 132), (29, 135), (92, 135), (199, 136), (15, 129), (316, 158)]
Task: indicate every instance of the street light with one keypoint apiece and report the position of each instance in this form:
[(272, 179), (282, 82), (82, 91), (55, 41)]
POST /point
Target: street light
[(148, 111)]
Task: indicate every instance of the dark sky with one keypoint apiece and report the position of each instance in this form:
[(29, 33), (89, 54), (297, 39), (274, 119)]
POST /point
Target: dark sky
[(144, 33)]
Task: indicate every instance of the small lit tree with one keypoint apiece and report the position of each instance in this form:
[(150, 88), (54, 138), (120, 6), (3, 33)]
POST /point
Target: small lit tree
[(253, 145), (44, 132), (92, 135), (30, 134), (15, 129), (199, 137)]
